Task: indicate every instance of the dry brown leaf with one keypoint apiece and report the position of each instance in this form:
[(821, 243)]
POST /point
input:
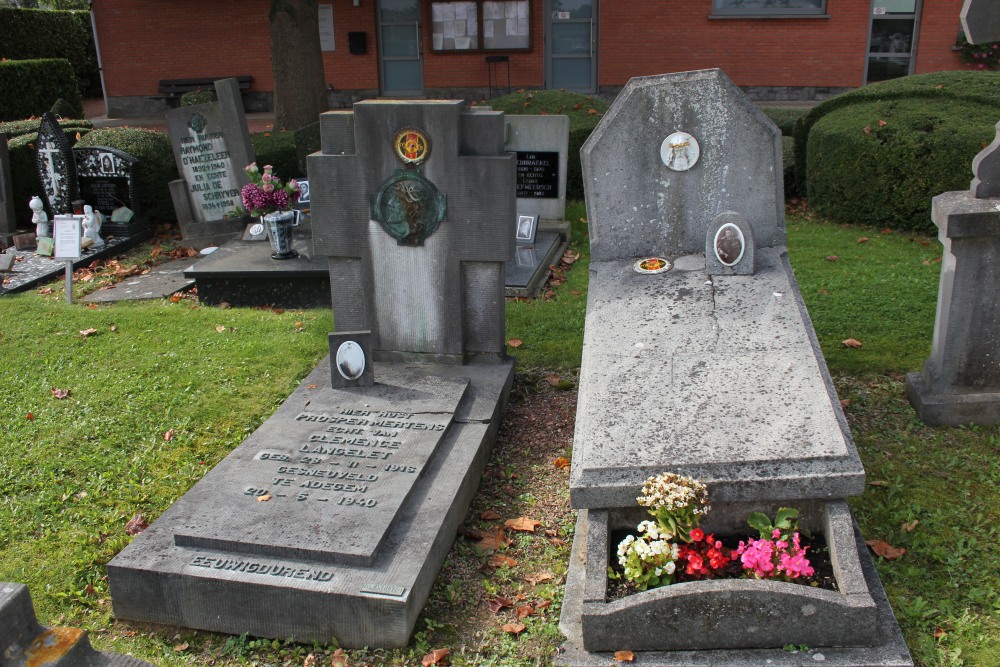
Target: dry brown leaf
[(882, 123), (220, 328), (523, 524), (524, 611), (513, 628), (543, 605), (435, 657), (175, 298), (555, 541), (845, 403), (885, 230), (180, 648), (489, 515), (310, 661), (592, 111), (499, 560), (852, 342), (561, 462), (868, 129), (59, 393), (493, 540), (539, 577), (169, 435), (864, 239), (878, 482), (88, 332), (553, 379), (885, 550), (30, 416), (45, 290), (264, 498), (515, 343), (910, 526), (832, 258), (136, 525), (498, 604), (939, 633), (624, 656)]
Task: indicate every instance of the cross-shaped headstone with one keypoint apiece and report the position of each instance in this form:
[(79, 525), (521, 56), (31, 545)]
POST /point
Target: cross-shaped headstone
[(56, 166), (414, 204)]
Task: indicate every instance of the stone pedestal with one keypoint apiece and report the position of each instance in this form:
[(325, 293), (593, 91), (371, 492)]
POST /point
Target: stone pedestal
[(960, 383)]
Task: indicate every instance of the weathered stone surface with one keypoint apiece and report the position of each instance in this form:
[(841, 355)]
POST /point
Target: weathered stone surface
[(960, 383), (639, 207), (7, 222), (730, 246), (542, 147), (980, 21), (720, 378), (255, 573)]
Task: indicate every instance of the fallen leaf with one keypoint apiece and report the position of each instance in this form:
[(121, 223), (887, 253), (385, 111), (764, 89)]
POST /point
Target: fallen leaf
[(499, 560), (910, 526), (524, 611), (277, 311), (569, 256), (939, 632), (339, 659), (310, 661), (592, 112), (578, 105), (491, 541), (885, 550), (555, 541), (845, 403), (30, 416), (498, 604), (553, 379), (561, 462), (136, 524), (882, 123), (435, 657), (539, 577), (885, 230), (114, 329), (88, 332), (515, 343), (220, 328), (169, 435), (868, 129), (312, 386), (59, 393), (489, 515), (522, 524), (832, 258), (513, 628), (175, 298), (180, 648), (264, 498), (624, 656), (864, 239), (878, 482), (852, 342), (45, 290), (543, 605), (939, 86)]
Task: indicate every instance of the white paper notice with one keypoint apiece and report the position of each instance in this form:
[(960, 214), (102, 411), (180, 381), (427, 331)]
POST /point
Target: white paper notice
[(511, 27), (462, 42), (438, 41), (511, 10), (522, 27), (66, 232), (437, 12), (449, 29), (461, 11), (449, 13), (488, 30), (473, 27), (522, 9), (459, 28), (326, 42)]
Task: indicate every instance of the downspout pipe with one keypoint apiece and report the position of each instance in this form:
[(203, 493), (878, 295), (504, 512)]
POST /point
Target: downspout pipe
[(97, 49)]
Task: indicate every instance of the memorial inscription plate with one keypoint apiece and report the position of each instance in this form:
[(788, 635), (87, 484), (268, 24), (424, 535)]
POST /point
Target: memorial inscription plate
[(208, 170), (327, 488), (538, 174)]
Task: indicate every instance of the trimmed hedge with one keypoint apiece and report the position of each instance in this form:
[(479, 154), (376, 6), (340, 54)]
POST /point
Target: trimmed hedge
[(23, 176), (278, 150), (880, 162), (39, 83), (584, 112), (198, 97), (976, 87), (30, 34), (16, 128), (154, 172)]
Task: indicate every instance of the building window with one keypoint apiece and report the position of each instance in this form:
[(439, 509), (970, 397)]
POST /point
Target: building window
[(481, 24), (768, 8)]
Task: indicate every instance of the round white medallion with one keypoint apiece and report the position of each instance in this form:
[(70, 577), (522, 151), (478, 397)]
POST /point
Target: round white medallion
[(256, 229), (680, 151), (350, 360)]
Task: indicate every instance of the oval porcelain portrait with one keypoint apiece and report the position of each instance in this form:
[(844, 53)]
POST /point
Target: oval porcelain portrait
[(350, 360), (680, 151), (729, 244)]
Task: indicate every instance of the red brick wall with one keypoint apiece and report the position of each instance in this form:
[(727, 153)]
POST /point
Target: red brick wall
[(938, 30)]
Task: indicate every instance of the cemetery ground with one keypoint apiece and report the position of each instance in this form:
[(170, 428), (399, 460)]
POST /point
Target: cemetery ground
[(111, 412)]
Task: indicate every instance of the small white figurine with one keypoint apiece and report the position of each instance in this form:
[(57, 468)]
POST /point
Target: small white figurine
[(39, 217), (92, 221)]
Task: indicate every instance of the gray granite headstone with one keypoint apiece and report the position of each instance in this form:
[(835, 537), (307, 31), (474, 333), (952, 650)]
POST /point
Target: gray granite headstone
[(981, 21), (106, 178), (7, 222), (211, 144), (542, 147), (56, 166)]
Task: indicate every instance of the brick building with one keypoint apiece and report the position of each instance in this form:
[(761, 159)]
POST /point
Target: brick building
[(775, 49)]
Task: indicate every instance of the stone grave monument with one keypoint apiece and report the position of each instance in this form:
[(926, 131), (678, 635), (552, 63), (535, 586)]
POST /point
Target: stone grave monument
[(211, 145), (56, 166), (960, 382), (8, 224), (106, 180), (700, 359), (541, 144), (340, 509)]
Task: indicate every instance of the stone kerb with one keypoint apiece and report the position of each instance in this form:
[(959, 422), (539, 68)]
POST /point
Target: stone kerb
[(637, 206)]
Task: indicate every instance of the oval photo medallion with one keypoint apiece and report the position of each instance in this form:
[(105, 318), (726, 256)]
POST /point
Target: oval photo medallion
[(350, 360), (680, 151), (729, 244), (256, 229)]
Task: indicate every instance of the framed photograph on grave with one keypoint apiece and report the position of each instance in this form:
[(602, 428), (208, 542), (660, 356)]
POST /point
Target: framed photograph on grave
[(526, 227), (350, 359), (303, 194)]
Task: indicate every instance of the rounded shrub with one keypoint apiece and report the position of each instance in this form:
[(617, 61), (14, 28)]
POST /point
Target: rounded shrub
[(70, 126), (278, 150), (880, 162), (198, 97), (154, 172), (25, 183)]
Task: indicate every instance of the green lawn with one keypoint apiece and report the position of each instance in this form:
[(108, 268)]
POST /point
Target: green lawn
[(163, 390)]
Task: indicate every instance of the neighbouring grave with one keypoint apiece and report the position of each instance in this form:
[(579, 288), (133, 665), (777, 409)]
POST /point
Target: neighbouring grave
[(541, 144), (960, 382), (341, 508), (106, 180), (24, 642), (8, 224), (212, 146), (717, 375), (56, 166)]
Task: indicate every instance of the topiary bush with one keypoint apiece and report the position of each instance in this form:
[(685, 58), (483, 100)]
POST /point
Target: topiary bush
[(64, 109), (23, 176), (584, 112), (978, 87), (154, 172), (198, 97), (278, 150), (39, 83), (70, 126), (880, 162)]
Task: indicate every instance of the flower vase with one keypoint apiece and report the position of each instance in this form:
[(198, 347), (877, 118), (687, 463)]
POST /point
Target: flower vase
[(279, 230)]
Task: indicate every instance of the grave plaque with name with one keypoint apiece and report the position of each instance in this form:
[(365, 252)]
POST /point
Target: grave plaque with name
[(56, 166), (538, 174), (105, 176)]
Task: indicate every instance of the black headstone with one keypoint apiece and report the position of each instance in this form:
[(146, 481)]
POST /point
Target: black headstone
[(107, 182), (56, 166)]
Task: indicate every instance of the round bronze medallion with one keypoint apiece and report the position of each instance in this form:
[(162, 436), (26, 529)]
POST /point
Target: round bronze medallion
[(411, 146), (652, 265)]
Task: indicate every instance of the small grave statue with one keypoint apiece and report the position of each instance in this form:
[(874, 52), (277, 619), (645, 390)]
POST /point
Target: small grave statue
[(39, 217), (92, 221)]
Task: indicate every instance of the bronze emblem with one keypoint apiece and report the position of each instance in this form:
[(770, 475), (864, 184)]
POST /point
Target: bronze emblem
[(411, 146), (409, 207)]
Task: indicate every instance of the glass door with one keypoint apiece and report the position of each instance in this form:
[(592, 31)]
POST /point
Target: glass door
[(401, 68), (893, 39), (571, 45)]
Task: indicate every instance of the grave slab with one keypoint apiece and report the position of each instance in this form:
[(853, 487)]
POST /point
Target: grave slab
[(160, 282), (527, 271), (294, 591)]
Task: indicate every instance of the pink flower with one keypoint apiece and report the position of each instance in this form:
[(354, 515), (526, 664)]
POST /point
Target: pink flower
[(775, 533), (267, 187), (280, 199), (982, 66)]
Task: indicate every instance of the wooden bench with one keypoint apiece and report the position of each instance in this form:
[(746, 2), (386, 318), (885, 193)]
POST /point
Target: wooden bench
[(177, 87)]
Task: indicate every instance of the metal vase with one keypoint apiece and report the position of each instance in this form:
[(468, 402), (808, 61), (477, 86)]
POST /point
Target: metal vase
[(279, 230)]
